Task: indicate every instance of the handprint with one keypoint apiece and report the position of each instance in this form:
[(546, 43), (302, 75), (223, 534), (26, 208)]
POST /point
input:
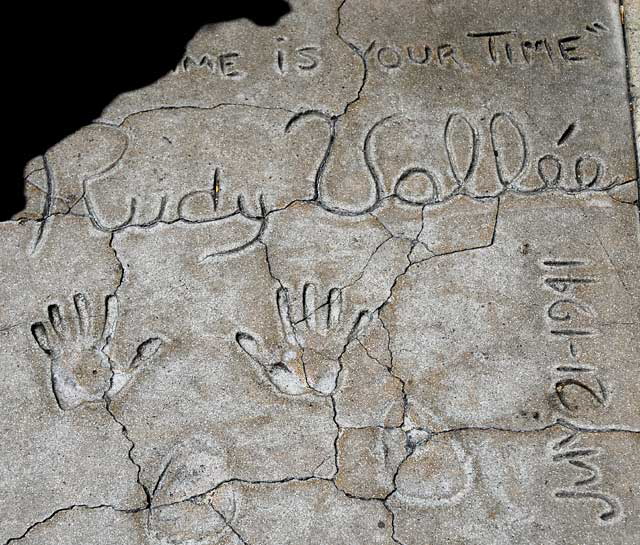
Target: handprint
[(301, 364), (81, 369)]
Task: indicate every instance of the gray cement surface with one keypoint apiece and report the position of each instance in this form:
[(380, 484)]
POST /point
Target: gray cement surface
[(370, 276)]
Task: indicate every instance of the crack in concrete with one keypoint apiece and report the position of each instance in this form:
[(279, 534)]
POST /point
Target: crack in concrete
[(108, 401), (132, 446), (338, 429), (359, 53), (238, 480), (632, 99), (65, 509), (378, 311), (228, 525), (344, 287), (383, 501), (559, 422), (196, 107)]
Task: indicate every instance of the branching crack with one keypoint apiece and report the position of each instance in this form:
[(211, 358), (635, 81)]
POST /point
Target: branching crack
[(108, 401), (360, 54)]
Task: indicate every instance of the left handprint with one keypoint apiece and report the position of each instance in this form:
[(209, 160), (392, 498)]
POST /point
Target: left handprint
[(81, 369)]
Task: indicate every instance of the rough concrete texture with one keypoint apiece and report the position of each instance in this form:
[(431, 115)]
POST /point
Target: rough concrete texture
[(370, 276), (631, 16)]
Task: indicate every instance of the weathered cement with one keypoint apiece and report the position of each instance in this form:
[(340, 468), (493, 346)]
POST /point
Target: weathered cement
[(370, 276)]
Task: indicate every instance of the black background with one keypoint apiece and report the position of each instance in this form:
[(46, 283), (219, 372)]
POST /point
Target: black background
[(63, 65)]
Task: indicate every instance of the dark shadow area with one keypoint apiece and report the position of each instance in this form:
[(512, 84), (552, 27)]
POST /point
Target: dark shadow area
[(63, 65)]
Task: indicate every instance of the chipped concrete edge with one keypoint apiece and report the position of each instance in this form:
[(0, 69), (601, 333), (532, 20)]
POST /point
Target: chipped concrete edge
[(630, 16)]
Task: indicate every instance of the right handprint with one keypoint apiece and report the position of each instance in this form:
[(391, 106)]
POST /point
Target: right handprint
[(301, 364)]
